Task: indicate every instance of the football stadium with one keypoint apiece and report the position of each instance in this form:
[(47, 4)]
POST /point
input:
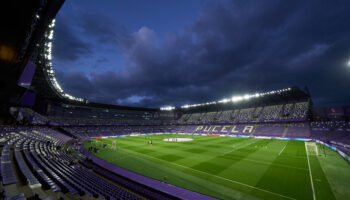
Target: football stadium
[(266, 144)]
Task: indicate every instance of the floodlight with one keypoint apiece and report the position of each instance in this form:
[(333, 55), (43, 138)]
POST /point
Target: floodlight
[(224, 100), (167, 108), (236, 98), (239, 98), (246, 97)]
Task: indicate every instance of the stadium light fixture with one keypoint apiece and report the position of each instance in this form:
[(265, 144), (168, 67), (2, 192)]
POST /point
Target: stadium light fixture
[(185, 106), (349, 63), (239, 98), (224, 101), (49, 70), (167, 108), (236, 98)]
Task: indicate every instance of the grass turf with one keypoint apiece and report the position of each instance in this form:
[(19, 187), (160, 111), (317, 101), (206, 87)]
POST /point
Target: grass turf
[(234, 168)]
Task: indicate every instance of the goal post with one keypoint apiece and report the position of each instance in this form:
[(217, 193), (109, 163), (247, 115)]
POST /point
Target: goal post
[(311, 148), (114, 144)]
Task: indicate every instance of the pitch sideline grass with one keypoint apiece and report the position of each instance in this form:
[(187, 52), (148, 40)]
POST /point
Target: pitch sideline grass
[(232, 168)]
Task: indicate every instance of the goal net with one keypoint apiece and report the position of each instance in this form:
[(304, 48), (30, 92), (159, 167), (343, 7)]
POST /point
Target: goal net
[(311, 148)]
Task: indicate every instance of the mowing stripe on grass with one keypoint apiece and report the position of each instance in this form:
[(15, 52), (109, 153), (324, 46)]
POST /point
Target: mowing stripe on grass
[(269, 163), (241, 144), (120, 158), (219, 177), (312, 183), (245, 144), (271, 168)]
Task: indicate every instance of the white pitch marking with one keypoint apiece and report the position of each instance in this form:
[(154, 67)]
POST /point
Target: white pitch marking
[(269, 163), (238, 147), (312, 183), (280, 195), (282, 149)]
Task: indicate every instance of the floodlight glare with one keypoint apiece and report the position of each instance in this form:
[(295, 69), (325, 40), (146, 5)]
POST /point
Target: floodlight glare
[(246, 97), (236, 98), (240, 98), (49, 70), (349, 63), (224, 101), (167, 108)]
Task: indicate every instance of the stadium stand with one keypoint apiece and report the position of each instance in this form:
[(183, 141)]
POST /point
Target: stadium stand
[(42, 164), (270, 113), (37, 143)]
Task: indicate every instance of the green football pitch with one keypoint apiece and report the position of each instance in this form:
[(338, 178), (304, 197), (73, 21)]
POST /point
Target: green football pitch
[(234, 168)]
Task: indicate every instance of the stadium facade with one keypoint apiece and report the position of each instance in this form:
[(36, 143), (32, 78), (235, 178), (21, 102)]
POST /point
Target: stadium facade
[(39, 118)]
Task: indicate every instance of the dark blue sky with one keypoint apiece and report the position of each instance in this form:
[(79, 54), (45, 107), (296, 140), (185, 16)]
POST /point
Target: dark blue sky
[(157, 52)]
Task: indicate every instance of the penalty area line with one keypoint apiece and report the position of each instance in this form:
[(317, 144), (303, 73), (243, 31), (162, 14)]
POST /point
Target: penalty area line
[(312, 183), (282, 149), (238, 146), (219, 177)]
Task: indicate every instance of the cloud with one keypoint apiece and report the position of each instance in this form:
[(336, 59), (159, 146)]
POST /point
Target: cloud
[(134, 99), (231, 48), (67, 45), (100, 27), (76, 83)]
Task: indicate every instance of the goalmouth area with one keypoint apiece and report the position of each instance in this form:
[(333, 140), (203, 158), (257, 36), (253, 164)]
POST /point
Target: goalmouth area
[(233, 167)]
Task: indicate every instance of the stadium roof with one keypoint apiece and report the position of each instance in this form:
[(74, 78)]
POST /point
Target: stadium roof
[(23, 24), (24, 40), (289, 95)]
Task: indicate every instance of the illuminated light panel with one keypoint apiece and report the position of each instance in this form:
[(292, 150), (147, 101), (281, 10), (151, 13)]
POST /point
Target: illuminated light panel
[(167, 108), (49, 70), (235, 99)]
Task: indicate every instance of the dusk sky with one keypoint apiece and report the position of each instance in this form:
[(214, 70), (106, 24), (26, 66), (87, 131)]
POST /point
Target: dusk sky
[(155, 53)]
